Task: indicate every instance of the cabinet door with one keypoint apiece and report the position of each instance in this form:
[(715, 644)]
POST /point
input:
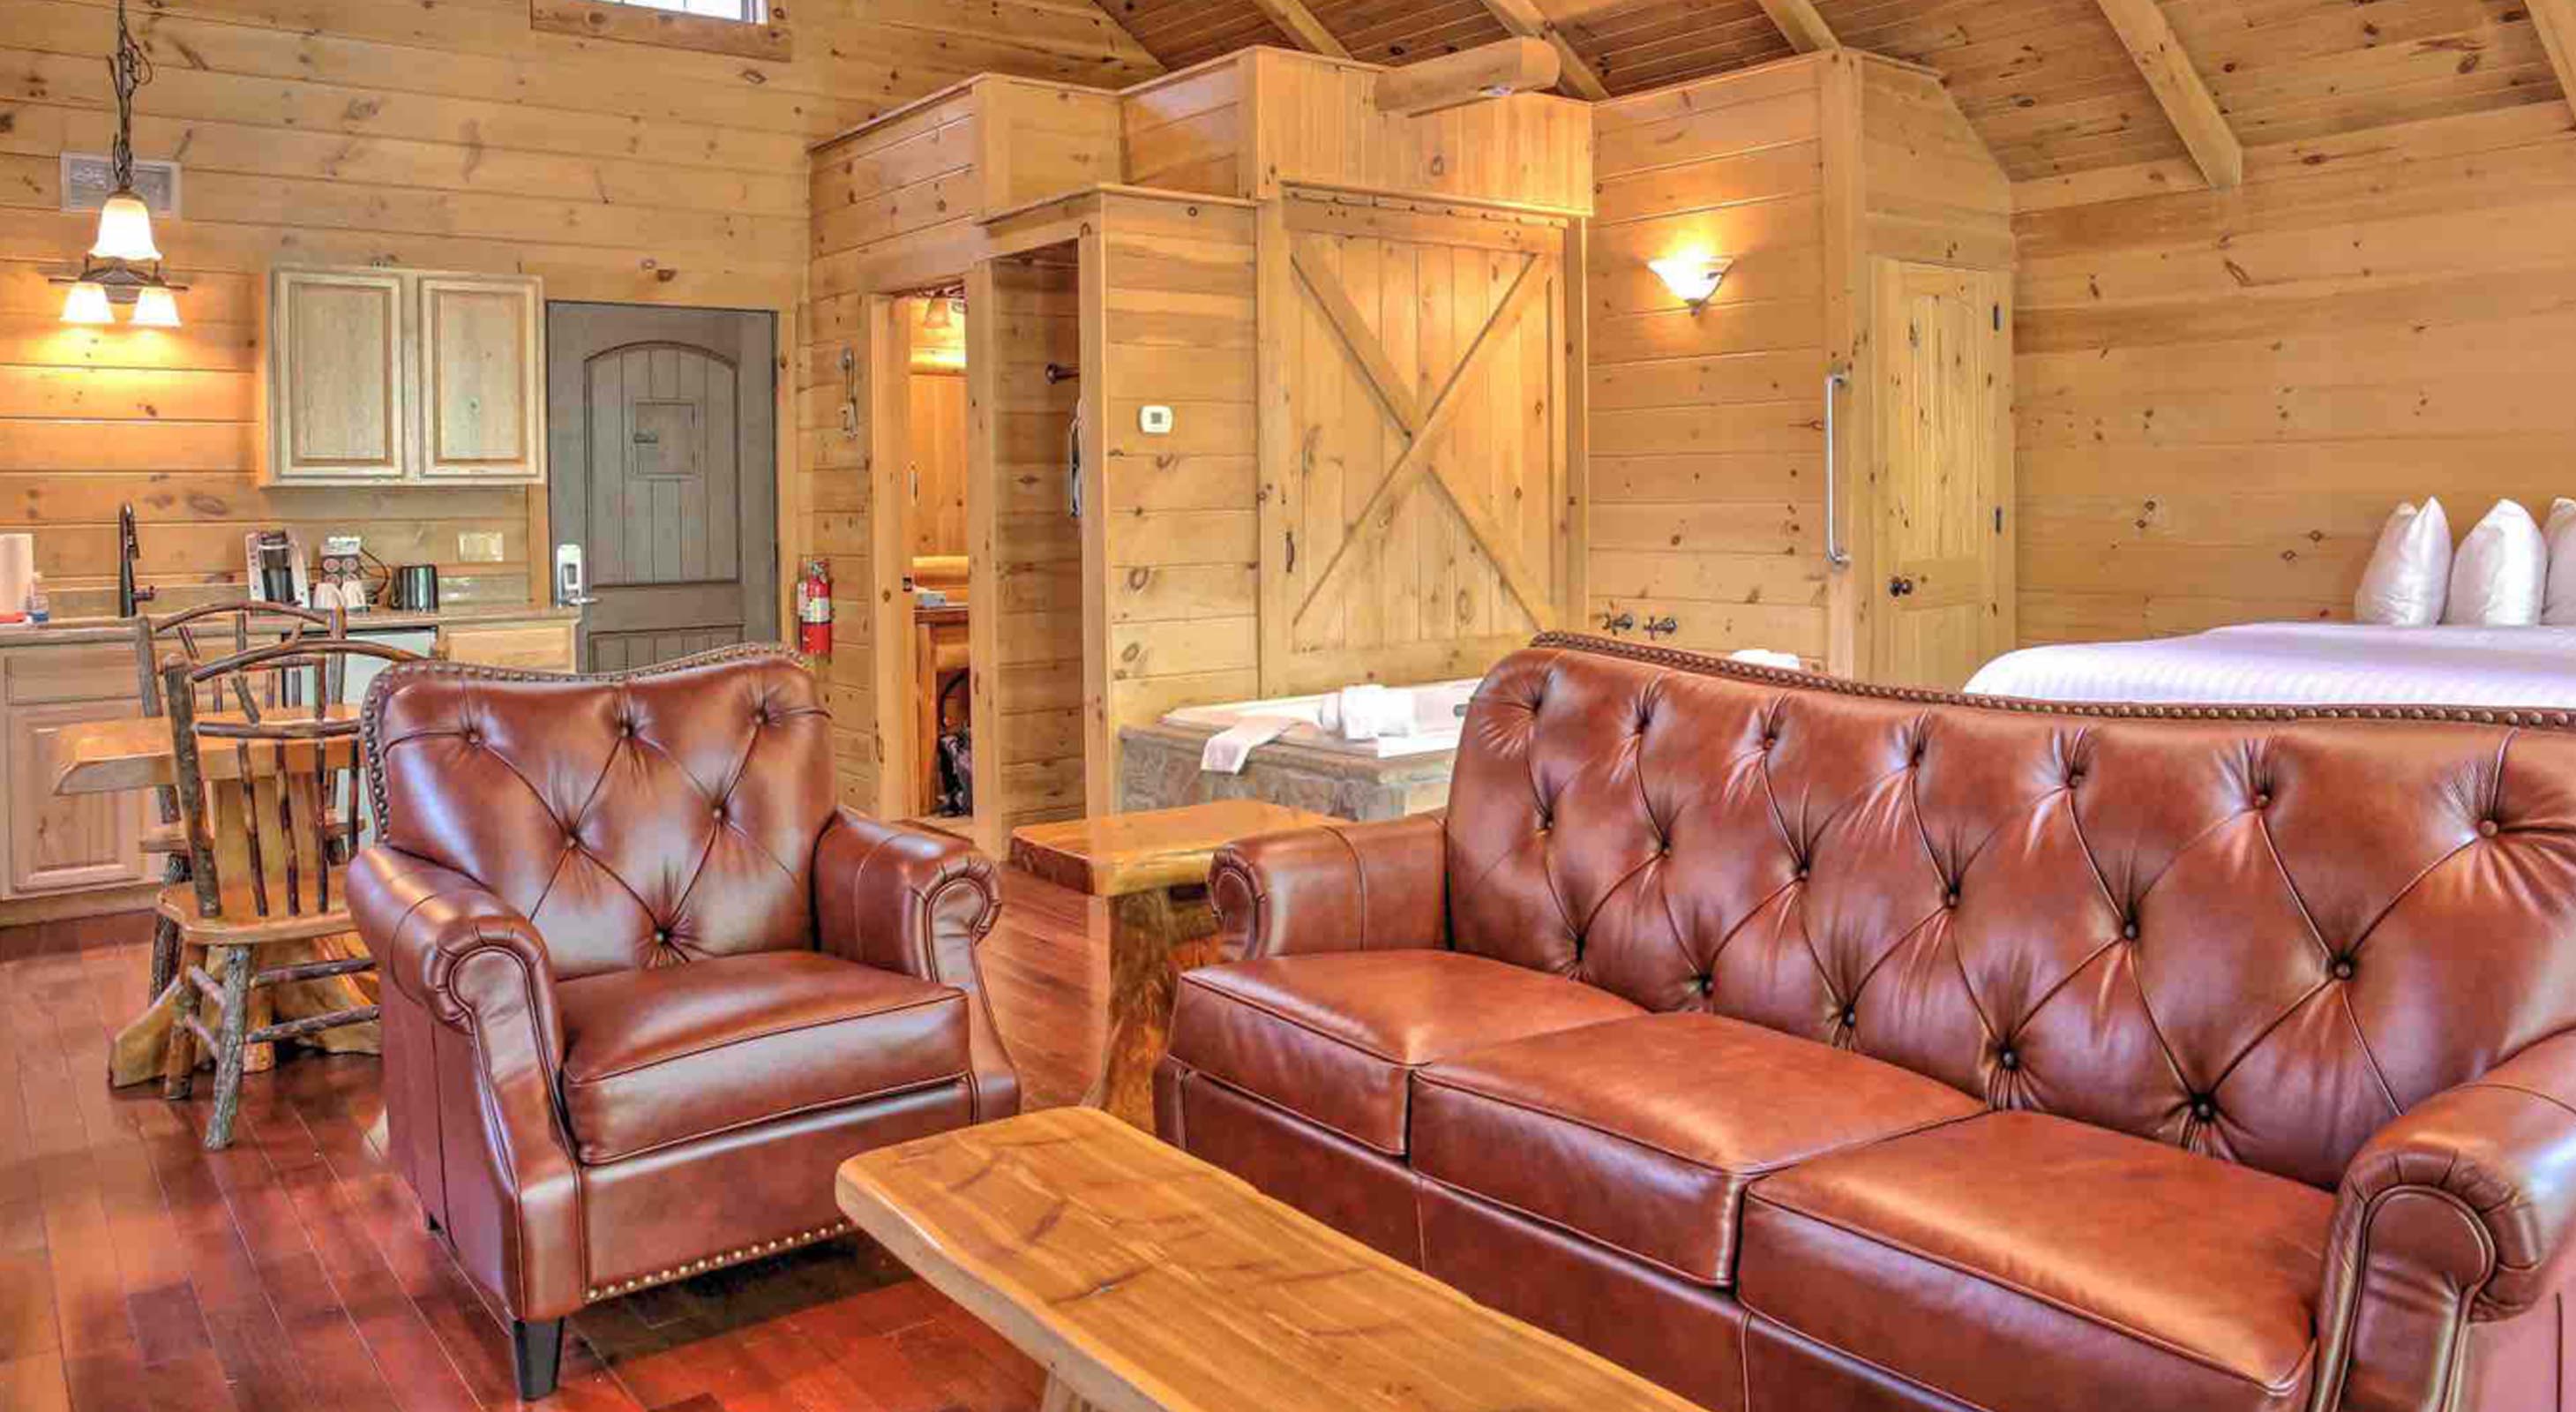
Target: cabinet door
[(534, 647), (336, 385), (59, 843), (479, 366)]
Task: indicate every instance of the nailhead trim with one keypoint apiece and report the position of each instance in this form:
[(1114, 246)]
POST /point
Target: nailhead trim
[(717, 1261)]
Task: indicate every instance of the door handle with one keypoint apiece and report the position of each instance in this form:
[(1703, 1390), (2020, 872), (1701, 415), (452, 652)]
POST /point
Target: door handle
[(1617, 623), (1899, 586), (1836, 379)]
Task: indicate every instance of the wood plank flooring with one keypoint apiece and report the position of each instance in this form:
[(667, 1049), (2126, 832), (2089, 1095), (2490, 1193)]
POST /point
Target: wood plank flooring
[(292, 1273)]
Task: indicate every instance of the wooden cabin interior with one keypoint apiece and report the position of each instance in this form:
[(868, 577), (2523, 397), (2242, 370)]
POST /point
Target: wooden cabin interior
[(1127, 406)]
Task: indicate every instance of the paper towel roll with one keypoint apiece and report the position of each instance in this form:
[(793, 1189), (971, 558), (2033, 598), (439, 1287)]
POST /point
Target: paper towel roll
[(17, 570)]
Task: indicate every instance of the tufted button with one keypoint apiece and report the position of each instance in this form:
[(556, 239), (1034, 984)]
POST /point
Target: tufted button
[(1769, 739), (661, 937), (1802, 872), (2204, 1108), (2129, 930), (2008, 1057), (2074, 776), (1951, 898), (2487, 828), (720, 809), (572, 841), (2342, 968), (1664, 848), (1851, 1016), (1707, 983), (2263, 801), (626, 728), (473, 737)]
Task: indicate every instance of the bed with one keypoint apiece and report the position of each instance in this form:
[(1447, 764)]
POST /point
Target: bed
[(2301, 664)]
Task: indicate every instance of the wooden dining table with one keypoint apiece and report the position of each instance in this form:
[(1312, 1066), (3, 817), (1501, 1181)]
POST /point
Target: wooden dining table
[(136, 754)]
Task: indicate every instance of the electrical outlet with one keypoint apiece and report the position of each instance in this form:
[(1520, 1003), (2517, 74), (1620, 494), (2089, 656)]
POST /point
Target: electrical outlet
[(478, 547)]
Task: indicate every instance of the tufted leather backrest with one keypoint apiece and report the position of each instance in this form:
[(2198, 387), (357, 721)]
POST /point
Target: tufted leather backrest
[(2259, 939), (638, 820)]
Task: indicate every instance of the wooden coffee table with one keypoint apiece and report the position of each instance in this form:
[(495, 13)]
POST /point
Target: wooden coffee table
[(1153, 868), (1145, 1280)]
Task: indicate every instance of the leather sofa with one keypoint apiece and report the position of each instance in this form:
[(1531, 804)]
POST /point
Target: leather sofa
[(1804, 1045), (646, 987)]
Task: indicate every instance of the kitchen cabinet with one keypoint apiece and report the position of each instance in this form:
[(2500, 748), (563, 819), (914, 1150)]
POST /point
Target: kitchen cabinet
[(56, 844), (532, 647), (391, 376)]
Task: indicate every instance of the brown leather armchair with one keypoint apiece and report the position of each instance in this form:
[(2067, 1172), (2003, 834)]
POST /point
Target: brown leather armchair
[(645, 985)]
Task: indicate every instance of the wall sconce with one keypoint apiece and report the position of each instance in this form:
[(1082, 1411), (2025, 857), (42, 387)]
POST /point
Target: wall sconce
[(1693, 278), (124, 265)]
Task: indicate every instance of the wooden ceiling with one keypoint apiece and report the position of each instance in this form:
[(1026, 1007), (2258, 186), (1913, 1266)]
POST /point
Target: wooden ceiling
[(2048, 83)]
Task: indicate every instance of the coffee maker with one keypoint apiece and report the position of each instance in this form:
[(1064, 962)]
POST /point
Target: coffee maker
[(277, 571)]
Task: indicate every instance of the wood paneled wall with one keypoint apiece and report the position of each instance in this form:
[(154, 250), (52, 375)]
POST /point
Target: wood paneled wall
[(1025, 624), (440, 136), (2222, 396), (1707, 435)]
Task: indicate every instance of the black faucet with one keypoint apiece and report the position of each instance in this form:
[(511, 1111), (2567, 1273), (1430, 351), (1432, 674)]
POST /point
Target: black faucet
[(128, 597)]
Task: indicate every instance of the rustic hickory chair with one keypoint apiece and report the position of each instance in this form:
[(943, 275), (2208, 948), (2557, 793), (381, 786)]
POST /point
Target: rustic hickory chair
[(1810, 1045), (263, 789), (646, 985)]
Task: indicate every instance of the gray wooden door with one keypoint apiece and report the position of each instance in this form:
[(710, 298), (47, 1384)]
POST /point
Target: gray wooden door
[(664, 469)]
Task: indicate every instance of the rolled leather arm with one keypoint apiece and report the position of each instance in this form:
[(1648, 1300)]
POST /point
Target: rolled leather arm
[(1339, 887), (478, 967), (909, 900), (2461, 1211)]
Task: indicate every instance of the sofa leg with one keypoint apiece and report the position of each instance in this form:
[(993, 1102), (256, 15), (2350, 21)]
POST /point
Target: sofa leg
[(537, 1349)]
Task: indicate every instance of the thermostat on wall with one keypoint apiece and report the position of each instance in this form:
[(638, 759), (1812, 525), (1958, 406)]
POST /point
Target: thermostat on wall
[(1154, 421)]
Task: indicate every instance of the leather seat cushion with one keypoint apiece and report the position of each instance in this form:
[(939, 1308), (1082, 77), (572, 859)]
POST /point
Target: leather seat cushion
[(654, 1057), (2019, 1261), (1643, 1134), (1334, 1037)]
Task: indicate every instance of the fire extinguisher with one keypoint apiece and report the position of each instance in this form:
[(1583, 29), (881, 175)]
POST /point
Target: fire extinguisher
[(814, 610)]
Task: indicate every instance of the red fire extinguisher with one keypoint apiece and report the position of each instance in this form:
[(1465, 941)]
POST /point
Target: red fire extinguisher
[(814, 609)]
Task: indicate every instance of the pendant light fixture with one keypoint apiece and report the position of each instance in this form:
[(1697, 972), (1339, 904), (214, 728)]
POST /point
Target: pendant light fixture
[(124, 265)]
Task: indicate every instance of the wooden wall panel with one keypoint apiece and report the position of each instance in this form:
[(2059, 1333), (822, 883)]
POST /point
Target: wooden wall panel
[(1189, 132), (2222, 396), (1178, 515), (1707, 449), (1027, 607), (1320, 127), (938, 433)]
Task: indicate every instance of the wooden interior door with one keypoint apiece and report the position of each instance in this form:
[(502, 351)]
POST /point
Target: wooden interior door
[(1412, 500), (665, 471), (1944, 442)]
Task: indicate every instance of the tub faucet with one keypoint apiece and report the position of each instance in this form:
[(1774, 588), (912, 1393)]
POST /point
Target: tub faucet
[(128, 596)]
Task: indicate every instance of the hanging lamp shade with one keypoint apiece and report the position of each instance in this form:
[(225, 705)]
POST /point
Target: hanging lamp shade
[(86, 303), (125, 230), (155, 307)]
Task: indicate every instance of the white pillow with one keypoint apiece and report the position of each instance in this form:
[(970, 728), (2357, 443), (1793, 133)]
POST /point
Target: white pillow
[(2558, 605), (2410, 571), (2496, 576)]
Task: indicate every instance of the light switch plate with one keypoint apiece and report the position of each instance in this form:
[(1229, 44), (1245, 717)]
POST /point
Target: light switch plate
[(1155, 420), (478, 547)]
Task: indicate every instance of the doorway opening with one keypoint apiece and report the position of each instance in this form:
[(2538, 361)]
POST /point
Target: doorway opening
[(986, 661)]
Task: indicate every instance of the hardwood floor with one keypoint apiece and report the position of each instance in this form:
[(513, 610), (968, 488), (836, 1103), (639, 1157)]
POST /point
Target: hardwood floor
[(292, 1272)]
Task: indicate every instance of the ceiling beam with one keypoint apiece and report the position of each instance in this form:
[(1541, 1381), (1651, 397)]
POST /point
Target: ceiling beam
[(1469, 76), (1523, 18), (2556, 21), (1300, 24), (2150, 40), (1806, 29)]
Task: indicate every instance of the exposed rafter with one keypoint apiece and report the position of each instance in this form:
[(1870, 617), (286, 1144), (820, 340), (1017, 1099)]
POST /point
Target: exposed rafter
[(2150, 40), (1300, 24), (2556, 21), (1522, 17), (1517, 65), (1798, 19)]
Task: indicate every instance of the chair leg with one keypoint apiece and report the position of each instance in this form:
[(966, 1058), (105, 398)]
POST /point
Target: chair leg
[(179, 1060), (165, 932), (537, 1350), (230, 1049)]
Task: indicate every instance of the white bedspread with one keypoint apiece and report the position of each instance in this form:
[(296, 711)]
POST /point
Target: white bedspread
[(2303, 664)]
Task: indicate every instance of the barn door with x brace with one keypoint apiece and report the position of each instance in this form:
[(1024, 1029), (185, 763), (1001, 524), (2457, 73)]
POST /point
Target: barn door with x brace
[(1413, 495)]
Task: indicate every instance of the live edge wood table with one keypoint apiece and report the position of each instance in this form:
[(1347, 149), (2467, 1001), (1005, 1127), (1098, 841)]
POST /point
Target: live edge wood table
[(1145, 1280), (1153, 868), (110, 757)]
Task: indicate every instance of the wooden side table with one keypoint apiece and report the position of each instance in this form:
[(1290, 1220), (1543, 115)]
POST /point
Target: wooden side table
[(1153, 869)]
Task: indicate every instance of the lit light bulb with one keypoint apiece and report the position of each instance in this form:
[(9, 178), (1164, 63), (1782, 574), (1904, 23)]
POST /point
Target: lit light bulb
[(125, 230), (155, 307), (1692, 278), (87, 304)]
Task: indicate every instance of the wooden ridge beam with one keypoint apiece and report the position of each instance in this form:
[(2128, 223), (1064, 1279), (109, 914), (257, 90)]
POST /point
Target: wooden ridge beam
[(1299, 23), (1524, 18), (1807, 30), (2149, 38), (2556, 21)]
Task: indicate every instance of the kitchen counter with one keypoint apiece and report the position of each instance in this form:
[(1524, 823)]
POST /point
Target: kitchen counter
[(73, 632)]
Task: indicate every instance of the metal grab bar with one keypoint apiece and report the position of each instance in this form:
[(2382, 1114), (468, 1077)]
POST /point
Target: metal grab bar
[(1836, 556)]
